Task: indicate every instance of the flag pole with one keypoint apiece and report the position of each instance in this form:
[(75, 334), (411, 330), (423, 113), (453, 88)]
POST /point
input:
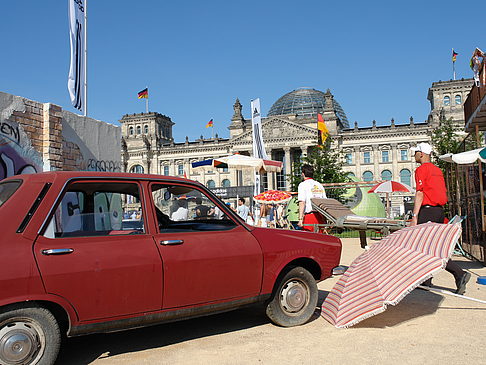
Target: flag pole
[(85, 58), (146, 102), (453, 66)]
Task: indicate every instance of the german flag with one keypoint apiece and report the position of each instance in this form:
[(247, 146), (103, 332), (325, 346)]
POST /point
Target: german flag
[(322, 130), (454, 55), (209, 124), (143, 94)]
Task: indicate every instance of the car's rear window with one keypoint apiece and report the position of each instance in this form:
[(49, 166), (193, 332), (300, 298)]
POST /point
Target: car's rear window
[(7, 189)]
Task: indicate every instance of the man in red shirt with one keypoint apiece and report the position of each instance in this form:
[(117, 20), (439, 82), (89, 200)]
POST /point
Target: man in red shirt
[(430, 198)]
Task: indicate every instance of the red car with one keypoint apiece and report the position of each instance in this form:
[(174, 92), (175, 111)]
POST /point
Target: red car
[(88, 252)]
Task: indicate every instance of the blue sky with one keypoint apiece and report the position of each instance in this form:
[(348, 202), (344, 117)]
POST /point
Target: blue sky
[(378, 57)]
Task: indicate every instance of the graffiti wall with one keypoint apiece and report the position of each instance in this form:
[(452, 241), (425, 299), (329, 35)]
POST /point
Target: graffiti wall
[(37, 137), (89, 144), (17, 155)]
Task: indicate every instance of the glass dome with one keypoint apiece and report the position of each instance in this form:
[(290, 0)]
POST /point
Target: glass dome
[(306, 103)]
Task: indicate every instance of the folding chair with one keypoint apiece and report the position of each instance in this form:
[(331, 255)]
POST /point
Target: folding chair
[(341, 216)]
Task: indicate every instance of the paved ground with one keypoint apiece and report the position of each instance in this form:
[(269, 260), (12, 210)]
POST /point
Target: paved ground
[(425, 328)]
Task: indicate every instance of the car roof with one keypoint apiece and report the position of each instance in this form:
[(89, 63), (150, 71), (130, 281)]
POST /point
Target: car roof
[(52, 176)]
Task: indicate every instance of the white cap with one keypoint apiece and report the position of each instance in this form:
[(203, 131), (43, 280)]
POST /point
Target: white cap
[(422, 147)]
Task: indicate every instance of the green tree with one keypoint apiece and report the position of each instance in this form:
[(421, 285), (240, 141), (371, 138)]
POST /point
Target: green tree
[(327, 163), (445, 139)]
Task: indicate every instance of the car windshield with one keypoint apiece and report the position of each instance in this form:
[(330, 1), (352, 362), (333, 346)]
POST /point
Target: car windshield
[(7, 189)]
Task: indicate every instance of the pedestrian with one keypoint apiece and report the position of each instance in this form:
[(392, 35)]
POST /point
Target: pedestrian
[(430, 197), (242, 210), (307, 190), (272, 216), (263, 215), (181, 213), (202, 211)]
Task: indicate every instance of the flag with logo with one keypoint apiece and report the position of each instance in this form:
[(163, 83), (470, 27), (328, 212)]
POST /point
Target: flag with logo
[(256, 122), (322, 130), (209, 124), (77, 68)]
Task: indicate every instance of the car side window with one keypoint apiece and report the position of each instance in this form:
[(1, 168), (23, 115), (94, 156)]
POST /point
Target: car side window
[(185, 208), (97, 209)]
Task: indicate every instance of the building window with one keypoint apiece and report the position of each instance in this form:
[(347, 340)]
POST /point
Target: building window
[(225, 183), (447, 100), (405, 177), (180, 170), (385, 156), (130, 131), (145, 129), (98, 210), (403, 155), (137, 169), (367, 176), (211, 184), (367, 157), (348, 158), (281, 177), (225, 169), (386, 175), (351, 175), (458, 99), (139, 129), (166, 170)]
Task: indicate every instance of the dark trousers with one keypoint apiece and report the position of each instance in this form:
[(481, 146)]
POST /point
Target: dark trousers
[(429, 213)]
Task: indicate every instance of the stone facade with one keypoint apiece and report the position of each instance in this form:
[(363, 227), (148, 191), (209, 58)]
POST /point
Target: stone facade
[(447, 100), (369, 153)]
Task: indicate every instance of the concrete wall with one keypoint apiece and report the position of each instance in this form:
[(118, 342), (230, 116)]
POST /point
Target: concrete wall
[(37, 137), (89, 144)]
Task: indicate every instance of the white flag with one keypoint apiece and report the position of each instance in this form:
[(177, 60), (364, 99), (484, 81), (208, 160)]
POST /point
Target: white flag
[(256, 122), (77, 69)]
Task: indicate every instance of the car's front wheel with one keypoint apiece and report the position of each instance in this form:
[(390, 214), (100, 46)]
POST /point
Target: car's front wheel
[(28, 336), (294, 300)]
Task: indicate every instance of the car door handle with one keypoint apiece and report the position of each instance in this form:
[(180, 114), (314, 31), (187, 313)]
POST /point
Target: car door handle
[(172, 242), (57, 251)]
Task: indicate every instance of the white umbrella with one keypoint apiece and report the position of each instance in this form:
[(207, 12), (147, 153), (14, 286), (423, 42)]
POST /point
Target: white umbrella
[(464, 158), (390, 186)]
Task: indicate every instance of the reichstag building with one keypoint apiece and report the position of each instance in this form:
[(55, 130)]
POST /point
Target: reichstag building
[(376, 152)]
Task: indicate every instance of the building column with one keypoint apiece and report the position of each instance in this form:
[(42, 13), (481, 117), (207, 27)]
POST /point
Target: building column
[(376, 162), (270, 175), (394, 156), (187, 167), (146, 165), (287, 166), (304, 151), (172, 168), (357, 163)]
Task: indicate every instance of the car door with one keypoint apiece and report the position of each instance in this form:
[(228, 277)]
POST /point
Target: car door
[(206, 258), (89, 257)]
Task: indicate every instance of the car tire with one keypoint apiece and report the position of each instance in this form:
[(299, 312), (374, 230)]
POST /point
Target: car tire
[(294, 300), (28, 335)]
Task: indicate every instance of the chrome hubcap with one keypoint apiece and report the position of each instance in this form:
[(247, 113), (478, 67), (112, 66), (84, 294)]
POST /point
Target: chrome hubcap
[(294, 296), (19, 343)]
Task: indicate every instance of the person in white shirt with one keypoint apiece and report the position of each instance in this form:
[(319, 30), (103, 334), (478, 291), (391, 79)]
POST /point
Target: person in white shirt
[(243, 211), (309, 189), (181, 213)]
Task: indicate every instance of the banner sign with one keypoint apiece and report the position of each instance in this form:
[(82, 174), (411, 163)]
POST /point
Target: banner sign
[(256, 122), (77, 69)]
